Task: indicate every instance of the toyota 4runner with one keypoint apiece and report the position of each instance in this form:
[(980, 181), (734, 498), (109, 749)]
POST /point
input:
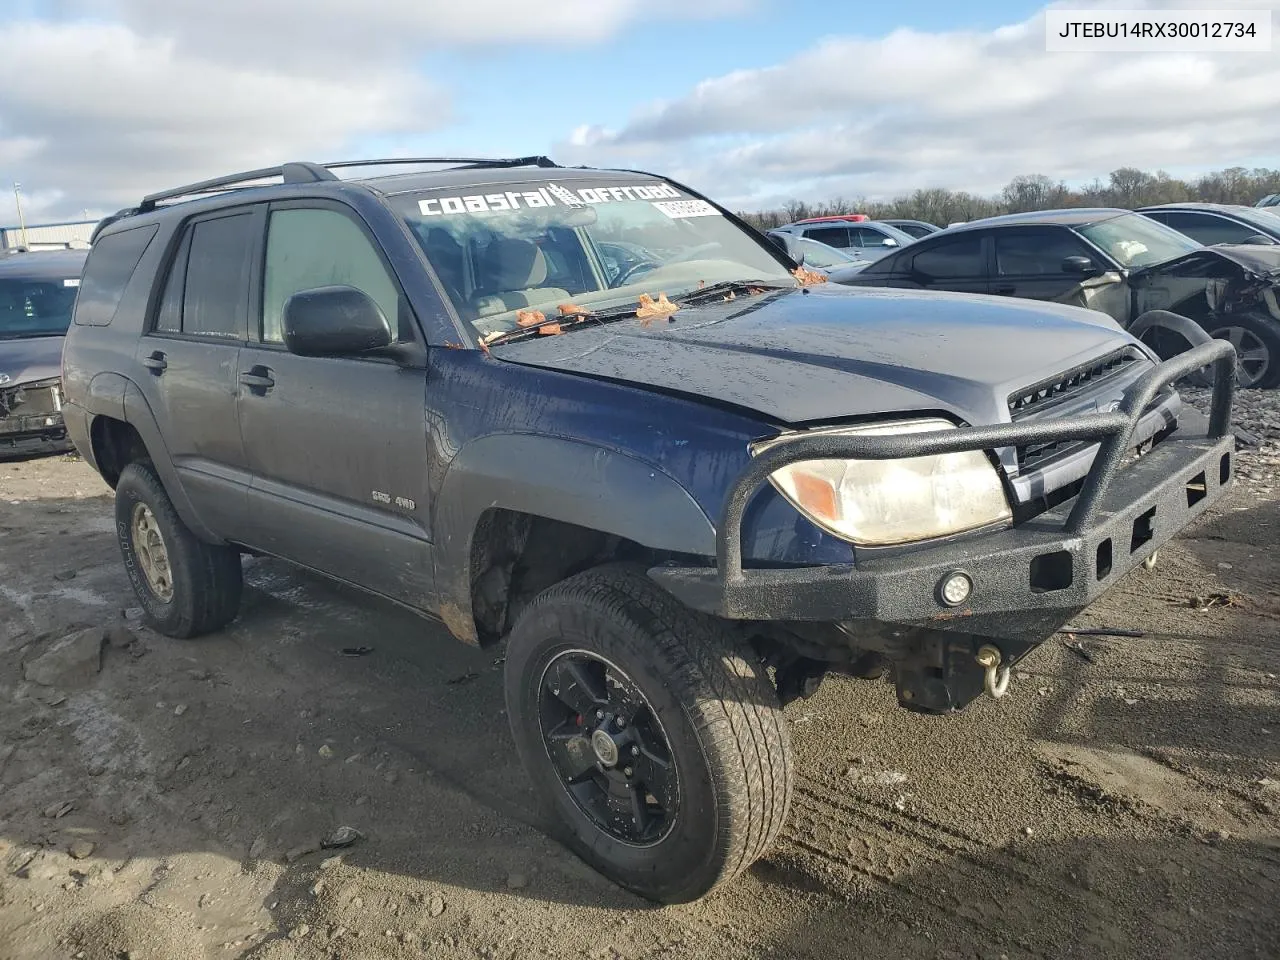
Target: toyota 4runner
[(593, 414)]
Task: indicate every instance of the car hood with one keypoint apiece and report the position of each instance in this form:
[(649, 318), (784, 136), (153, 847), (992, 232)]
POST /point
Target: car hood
[(830, 352), (1261, 260), (30, 359)]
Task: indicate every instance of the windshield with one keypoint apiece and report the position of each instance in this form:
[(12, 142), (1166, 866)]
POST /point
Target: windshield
[(1133, 240), (818, 254), (536, 245), (35, 308)]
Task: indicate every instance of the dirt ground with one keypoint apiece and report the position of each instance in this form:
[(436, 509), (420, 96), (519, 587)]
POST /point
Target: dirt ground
[(1123, 801)]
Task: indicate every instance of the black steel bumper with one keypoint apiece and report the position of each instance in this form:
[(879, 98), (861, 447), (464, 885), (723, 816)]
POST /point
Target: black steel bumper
[(1026, 580)]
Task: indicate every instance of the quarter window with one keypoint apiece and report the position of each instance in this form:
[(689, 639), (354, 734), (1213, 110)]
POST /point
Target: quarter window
[(107, 272), (310, 248)]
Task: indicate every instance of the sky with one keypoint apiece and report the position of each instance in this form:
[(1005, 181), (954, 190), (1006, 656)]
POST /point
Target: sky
[(754, 102)]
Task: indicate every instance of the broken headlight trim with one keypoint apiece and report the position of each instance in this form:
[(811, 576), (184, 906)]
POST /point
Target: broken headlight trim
[(888, 502)]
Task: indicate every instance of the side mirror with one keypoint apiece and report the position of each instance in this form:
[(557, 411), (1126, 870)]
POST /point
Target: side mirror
[(888, 242), (1080, 266), (333, 322), (1260, 239), (778, 242)]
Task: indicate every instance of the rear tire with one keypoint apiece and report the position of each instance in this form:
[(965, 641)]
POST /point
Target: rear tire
[(616, 643), (186, 587)]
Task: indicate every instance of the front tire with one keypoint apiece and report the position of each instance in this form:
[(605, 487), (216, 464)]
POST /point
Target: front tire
[(1257, 341), (694, 783), (186, 587)]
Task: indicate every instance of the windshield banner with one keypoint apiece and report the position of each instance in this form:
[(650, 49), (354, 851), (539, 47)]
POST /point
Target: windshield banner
[(555, 195)]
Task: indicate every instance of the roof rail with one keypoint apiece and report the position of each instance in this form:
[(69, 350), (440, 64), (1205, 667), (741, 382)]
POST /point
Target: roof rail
[(305, 172), (288, 172), (467, 163)]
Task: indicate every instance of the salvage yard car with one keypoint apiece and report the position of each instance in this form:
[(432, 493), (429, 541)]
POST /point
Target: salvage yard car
[(1124, 264), (37, 292), (683, 482)]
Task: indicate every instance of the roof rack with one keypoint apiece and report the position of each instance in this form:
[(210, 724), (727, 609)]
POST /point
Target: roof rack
[(288, 172), (304, 172), (466, 163)]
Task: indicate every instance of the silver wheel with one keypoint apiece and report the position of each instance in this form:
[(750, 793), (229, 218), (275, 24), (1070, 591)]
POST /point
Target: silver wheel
[(1253, 359), (152, 554)]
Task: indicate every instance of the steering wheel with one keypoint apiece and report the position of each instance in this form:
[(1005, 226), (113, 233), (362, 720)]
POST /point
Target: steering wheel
[(644, 266)]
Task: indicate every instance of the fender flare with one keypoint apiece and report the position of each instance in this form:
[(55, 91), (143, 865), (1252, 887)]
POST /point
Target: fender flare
[(558, 479), (137, 413)]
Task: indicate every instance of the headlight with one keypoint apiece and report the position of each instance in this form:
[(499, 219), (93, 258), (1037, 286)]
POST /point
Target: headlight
[(882, 502)]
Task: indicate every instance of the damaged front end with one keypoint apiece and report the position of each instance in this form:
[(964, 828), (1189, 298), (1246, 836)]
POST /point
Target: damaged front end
[(1233, 293), (949, 618), (31, 419)]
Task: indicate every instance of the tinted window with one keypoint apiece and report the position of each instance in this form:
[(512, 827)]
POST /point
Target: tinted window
[(1206, 228), (866, 237), (1035, 252), (915, 229), (320, 248), (170, 317), (831, 236), (110, 265), (959, 258), (216, 276)]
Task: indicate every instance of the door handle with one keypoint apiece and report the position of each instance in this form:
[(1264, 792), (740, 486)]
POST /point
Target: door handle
[(258, 379), (156, 363), (1006, 291)]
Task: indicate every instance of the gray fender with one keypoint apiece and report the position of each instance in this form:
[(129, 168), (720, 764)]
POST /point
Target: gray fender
[(137, 413), (558, 479), (1176, 322)]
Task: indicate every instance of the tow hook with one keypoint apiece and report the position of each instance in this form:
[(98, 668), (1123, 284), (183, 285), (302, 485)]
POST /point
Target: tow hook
[(996, 680)]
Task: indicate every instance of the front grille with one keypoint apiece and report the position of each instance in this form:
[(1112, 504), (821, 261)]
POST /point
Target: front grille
[(1071, 388), (1034, 399)]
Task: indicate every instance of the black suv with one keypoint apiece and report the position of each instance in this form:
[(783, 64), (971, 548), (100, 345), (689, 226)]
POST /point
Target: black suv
[(595, 415)]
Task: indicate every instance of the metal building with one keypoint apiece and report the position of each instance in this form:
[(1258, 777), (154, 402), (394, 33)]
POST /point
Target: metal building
[(47, 236)]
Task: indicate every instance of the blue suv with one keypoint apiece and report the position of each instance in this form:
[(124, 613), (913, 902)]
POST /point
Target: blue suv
[(594, 416)]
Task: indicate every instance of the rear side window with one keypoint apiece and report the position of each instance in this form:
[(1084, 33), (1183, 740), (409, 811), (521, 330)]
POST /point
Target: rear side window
[(107, 272), (207, 284), (958, 259), (831, 236)]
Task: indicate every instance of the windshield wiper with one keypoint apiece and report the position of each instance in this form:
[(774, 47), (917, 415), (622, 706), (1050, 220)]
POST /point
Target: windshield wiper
[(562, 321), (730, 286)]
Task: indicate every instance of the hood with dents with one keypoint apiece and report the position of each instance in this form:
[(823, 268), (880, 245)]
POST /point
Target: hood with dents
[(830, 352), (30, 359), (1259, 260)]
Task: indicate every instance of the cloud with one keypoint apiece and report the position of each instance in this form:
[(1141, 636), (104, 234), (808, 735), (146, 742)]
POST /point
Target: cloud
[(967, 110), (121, 97)]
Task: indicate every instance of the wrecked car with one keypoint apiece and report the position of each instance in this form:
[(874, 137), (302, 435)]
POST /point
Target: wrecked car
[(1130, 267), (37, 293), (593, 415)]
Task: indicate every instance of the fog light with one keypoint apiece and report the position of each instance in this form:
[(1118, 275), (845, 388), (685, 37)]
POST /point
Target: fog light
[(955, 588)]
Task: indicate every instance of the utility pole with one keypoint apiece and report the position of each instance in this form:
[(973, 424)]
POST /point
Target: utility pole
[(22, 223)]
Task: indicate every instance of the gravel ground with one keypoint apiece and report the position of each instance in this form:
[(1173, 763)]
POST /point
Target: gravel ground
[(168, 800)]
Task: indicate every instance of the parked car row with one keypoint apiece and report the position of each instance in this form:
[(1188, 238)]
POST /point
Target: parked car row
[(1122, 263)]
